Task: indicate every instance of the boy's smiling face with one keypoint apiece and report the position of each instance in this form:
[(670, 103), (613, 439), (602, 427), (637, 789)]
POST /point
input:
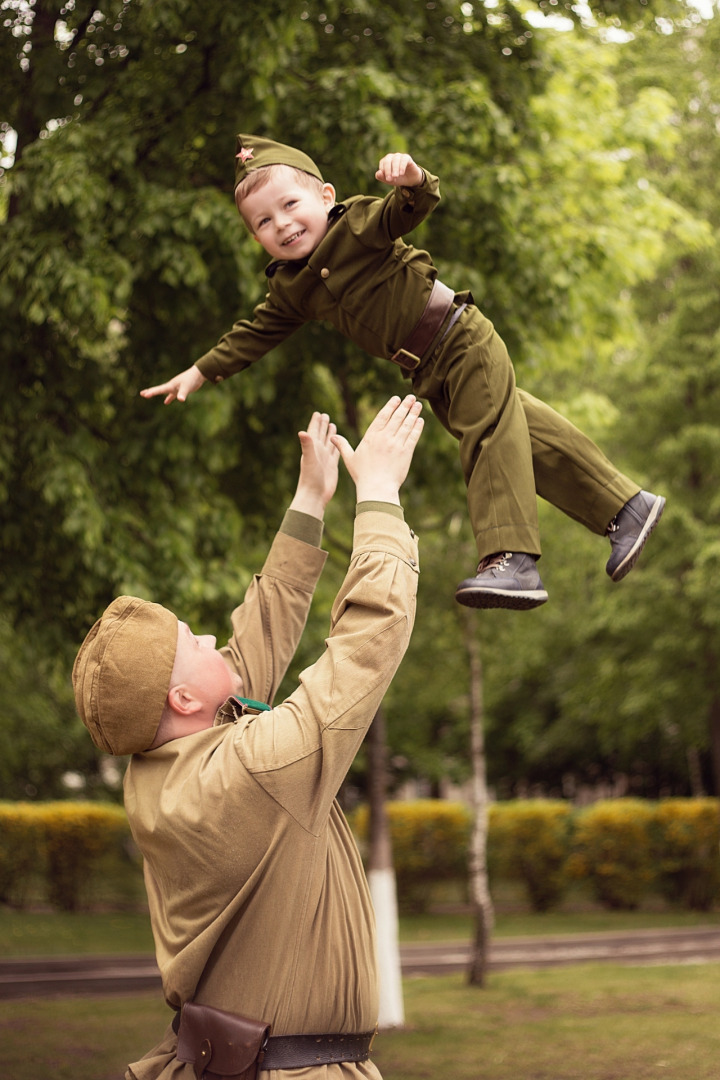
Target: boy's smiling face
[(287, 217)]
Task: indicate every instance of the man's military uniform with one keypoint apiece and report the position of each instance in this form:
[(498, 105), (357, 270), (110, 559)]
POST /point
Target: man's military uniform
[(258, 899)]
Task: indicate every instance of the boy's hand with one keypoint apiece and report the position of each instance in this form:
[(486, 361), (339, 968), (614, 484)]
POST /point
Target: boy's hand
[(187, 382), (399, 170), (381, 461), (318, 466)]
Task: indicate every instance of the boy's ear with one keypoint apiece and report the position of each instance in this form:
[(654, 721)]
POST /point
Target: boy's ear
[(328, 195), (182, 701)]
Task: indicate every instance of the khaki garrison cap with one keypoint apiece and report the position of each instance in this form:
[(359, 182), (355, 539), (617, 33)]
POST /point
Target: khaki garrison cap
[(122, 672), (253, 152)]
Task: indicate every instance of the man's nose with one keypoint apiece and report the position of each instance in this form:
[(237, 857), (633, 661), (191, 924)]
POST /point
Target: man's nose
[(208, 641)]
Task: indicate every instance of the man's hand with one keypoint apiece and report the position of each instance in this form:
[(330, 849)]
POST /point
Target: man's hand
[(382, 459), (187, 382), (318, 466), (399, 170)]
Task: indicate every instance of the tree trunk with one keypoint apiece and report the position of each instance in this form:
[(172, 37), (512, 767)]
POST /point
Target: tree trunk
[(482, 906), (697, 787), (381, 878), (714, 725)]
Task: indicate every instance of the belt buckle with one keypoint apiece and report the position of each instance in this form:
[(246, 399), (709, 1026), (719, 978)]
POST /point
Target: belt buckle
[(406, 360), (372, 1039)]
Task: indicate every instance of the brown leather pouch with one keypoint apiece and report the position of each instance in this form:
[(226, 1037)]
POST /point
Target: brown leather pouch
[(221, 1045)]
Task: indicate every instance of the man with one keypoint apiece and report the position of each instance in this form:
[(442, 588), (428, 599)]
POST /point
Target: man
[(258, 900)]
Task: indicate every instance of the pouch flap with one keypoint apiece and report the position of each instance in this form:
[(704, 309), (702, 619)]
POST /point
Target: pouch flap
[(224, 1042)]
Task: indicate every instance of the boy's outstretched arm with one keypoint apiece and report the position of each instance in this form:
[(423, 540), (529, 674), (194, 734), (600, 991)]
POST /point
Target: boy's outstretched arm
[(399, 170), (177, 388)]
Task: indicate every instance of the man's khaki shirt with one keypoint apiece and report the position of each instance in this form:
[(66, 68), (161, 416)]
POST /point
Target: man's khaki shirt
[(258, 899)]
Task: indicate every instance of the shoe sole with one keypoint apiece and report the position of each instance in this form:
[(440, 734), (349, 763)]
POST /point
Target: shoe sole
[(495, 598), (634, 553)]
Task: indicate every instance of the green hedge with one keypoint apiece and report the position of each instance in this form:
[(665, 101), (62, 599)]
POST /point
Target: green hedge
[(612, 850), (430, 841), (685, 851), (623, 850), (22, 850), (68, 854), (529, 841), (56, 852)]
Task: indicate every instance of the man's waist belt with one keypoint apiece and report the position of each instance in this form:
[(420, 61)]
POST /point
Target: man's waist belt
[(421, 338), (225, 1046), (299, 1051)]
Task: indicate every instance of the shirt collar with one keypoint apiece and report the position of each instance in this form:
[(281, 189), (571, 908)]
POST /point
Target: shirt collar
[(272, 268), (235, 707)]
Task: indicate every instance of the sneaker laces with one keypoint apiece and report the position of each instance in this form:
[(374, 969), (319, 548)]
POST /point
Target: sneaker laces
[(500, 560)]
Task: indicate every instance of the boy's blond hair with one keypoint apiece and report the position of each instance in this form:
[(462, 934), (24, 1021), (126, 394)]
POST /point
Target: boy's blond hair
[(259, 177)]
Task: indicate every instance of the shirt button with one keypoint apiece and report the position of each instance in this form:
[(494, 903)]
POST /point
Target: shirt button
[(324, 273)]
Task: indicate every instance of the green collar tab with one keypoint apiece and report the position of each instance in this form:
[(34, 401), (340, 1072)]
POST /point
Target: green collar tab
[(260, 706)]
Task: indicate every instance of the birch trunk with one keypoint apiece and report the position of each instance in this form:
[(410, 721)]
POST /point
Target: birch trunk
[(381, 879), (481, 900)]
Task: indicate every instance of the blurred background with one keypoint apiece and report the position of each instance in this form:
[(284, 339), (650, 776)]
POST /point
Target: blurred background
[(578, 149)]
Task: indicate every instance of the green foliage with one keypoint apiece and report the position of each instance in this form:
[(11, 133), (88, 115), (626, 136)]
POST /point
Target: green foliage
[(22, 851), (76, 836), (57, 850), (429, 841), (612, 851), (123, 259), (623, 849), (687, 840), (530, 841)]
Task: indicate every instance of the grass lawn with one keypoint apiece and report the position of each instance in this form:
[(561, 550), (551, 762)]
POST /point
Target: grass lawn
[(585, 1022), (43, 933)]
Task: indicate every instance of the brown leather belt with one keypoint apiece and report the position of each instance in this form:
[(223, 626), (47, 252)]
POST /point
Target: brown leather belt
[(440, 301), (213, 1037), (300, 1051)]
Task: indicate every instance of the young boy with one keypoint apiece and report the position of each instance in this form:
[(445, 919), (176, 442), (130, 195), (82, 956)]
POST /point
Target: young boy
[(347, 264)]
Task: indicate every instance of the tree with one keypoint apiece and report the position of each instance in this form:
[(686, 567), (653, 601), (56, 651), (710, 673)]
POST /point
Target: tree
[(122, 261), (381, 880), (482, 904)]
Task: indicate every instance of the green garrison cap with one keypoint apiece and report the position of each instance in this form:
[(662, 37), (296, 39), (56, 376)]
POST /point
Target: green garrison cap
[(253, 151)]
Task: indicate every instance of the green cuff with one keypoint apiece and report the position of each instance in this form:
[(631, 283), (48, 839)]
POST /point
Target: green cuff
[(303, 527), (384, 507)]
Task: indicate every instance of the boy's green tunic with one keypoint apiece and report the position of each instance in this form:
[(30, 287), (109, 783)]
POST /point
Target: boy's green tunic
[(258, 899), (373, 287)]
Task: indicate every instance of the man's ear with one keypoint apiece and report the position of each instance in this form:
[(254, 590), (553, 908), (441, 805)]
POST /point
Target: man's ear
[(182, 701)]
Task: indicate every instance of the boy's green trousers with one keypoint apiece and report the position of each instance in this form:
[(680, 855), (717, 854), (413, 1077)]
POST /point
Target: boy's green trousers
[(513, 446)]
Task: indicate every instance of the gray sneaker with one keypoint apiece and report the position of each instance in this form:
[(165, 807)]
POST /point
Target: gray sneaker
[(629, 530), (504, 580)]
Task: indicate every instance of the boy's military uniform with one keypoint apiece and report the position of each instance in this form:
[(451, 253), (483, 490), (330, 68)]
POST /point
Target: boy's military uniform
[(375, 289)]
